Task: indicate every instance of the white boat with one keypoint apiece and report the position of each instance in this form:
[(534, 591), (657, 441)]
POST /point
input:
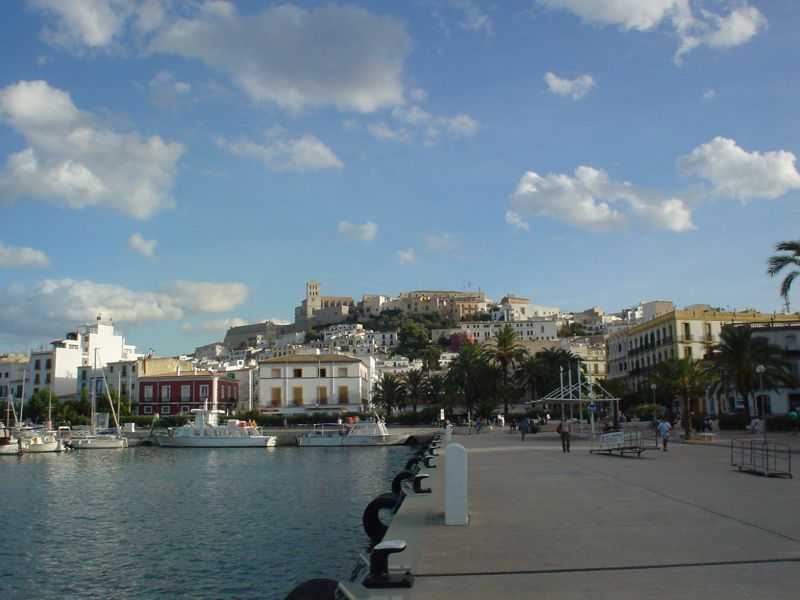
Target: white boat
[(363, 433), (206, 432), (34, 441), (9, 445)]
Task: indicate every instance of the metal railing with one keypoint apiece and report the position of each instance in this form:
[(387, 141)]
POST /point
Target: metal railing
[(764, 458)]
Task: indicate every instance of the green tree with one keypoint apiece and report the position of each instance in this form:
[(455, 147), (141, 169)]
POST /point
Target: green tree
[(389, 394), (436, 389), (38, 406), (686, 378), (415, 383), (571, 330), (431, 358), (505, 351), (465, 372), (778, 262), (554, 362), (735, 360)]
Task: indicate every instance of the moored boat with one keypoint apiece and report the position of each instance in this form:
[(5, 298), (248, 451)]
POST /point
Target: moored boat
[(9, 445), (35, 441), (362, 433), (205, 432)]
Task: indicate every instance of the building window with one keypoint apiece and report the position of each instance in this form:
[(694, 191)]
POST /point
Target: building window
[(148, 393), (186, 393), (275, 396), (165, 390), (36, 378), (322, 394), (344, 394), (165, 409), (275, 373), (297, 372), (148, 410), (204, 392), (184, 409), (687, 352), (37, 364), (297, 396), (47, 378), (48, 364), (323, 372)]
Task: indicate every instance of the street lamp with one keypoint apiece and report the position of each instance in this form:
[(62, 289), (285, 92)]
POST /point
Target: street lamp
[(653, 387), (760, 370)]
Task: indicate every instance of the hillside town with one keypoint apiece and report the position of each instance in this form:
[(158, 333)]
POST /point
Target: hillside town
[(330, 360)]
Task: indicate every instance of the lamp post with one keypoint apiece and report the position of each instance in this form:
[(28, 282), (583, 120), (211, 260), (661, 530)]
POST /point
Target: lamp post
[(760, 370), (653, 387)]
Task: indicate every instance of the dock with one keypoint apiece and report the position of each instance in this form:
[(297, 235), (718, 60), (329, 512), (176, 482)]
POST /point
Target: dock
[(548, 524)]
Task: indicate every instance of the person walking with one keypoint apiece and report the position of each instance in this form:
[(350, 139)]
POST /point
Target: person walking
[(794, 416), (663, 432), (565, 429), (523, 428)]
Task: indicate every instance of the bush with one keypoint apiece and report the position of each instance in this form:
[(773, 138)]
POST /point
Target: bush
[(777, 423), (733, 421)]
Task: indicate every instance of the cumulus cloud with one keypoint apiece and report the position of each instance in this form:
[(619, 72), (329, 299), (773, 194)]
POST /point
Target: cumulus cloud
[(735, 173), (138, 243), (441, 243), (332, 55), (358, 233), (202, 296), (71, 161), (213, 326), (590, 200), (693, 28), (577, 88), (516, 221), (300, 155), (13, 257), (166, 92), (407, 256), (415, 121)]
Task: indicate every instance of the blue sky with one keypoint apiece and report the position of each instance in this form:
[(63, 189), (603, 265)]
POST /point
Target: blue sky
[(185, 165)]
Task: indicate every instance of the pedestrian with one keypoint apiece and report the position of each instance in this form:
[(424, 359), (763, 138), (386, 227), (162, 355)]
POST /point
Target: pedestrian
[(564, 428), (663, 432), (512, 425), (523, 428), (794, 416), (478, 425)]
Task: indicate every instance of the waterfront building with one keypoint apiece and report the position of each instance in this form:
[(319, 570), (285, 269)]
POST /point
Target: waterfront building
[(303, 383), (180, 392), (13, 369), (687, 333)]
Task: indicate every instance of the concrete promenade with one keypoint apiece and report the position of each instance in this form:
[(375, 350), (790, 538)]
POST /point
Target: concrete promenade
[(545, 524)]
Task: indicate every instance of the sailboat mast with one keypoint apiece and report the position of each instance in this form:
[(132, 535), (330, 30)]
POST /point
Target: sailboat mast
[(22, 398)]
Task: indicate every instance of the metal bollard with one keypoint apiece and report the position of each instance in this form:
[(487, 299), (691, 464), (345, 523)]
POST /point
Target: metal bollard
[(379, 576), (418, 484)]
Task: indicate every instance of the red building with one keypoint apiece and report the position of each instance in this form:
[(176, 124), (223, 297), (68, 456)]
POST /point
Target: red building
[(172, 394)]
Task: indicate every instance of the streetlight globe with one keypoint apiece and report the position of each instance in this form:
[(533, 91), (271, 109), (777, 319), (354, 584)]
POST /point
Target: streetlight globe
[(653, 386), (760, 369)]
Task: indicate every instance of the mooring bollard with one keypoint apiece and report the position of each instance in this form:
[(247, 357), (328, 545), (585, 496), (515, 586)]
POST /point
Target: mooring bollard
[(455, 486), (448, 432)]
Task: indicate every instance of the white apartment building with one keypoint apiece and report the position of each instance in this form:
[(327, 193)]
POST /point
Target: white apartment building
[(56, 368), (513, 309), (320, 382), (13, 369), (535, 330), (592, 354)]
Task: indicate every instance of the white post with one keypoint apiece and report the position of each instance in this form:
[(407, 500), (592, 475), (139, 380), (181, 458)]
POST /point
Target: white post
[(448, 432), (455, 486)]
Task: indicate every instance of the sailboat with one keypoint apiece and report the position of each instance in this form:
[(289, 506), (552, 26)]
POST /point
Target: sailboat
[(8, 443), (94, 440)]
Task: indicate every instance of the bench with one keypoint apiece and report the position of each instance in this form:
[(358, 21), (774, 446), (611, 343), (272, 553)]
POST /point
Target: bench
[(706, 436)]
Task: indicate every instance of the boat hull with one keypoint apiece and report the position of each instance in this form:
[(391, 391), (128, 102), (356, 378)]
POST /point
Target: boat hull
[(200, 441), (98, 443), (50, 446), (11, 449), (335, 440)]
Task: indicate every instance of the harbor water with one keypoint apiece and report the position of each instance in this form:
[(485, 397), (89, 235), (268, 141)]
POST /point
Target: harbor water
[(185, 523)]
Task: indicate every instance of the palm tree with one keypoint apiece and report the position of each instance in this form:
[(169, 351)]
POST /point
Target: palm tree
[(778, 262), (529, 376), (686, 378), (464, 373), (415, 384), (736, 358), (435, 389), (389, 393), (553, 362), (505, 351)]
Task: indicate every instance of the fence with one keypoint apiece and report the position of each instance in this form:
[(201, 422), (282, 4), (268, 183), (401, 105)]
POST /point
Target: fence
[(765, 458)]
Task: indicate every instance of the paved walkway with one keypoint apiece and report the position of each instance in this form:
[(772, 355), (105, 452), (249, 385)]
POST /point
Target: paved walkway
[(545, 524)]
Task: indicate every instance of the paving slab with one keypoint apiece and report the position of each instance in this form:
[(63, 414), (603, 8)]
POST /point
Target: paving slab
[(548, 524)]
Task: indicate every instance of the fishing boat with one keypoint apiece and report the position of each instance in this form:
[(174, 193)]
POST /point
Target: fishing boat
[(206, 432), (354, 433), (9, 445)]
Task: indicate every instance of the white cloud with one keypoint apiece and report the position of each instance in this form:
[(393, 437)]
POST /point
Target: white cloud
[(138, 243), (735, 173), (515, 220), (431, 126), (709, 94), (577, 88), (344, 56), (407, 256), (382, 131), (165, 91), (201, 296), (301, 155), (13, 257), (473, 18), (213, 326), (72, 162), (84, 23), (590, 200), (359, 233), (441, 243), (693, 28)]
